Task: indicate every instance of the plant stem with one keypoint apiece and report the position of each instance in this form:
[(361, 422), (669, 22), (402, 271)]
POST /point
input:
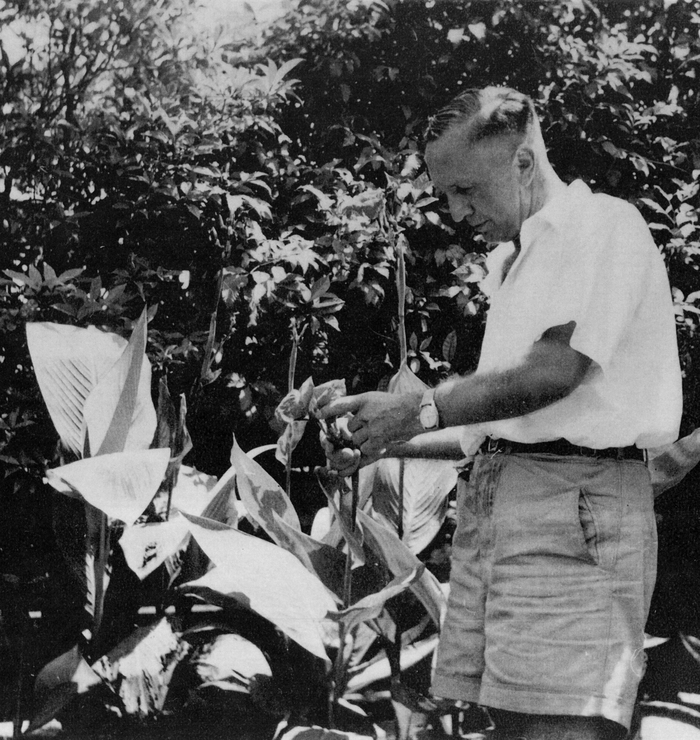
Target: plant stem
[(290, 387), (17, 720), (339, 666), (402, 470), (211, 336), (401, 290)]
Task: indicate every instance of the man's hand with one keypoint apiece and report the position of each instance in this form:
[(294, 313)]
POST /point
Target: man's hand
[(378, 419)]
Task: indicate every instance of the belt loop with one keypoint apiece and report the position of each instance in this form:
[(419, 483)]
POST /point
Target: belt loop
[(620, 454)]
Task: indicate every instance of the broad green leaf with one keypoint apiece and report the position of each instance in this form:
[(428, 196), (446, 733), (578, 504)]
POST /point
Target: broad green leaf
[(119, 412), (422, 490), (379, 670), (399, 559), (266, 579), (146, 546), (323, 561), (224, 507), (370, 607), (57, 683), (68, 362), (321, 524), (670, 464), (139, 668), (426, 486), (261, 494), (342, 523), (405, 380), (121, 484), (230, 663), (320, 733), (193, 490), (289, 439)]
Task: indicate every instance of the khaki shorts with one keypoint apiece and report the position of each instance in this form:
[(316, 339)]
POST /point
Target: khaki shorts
[(553, 567)]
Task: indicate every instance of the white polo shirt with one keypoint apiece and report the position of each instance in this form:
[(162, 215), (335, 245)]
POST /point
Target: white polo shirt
[(588, 258)]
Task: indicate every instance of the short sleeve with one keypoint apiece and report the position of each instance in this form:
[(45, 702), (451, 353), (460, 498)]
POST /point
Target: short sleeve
[(600, 283)]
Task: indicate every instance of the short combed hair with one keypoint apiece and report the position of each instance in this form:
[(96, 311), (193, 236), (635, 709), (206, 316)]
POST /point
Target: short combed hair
[(489, 111)]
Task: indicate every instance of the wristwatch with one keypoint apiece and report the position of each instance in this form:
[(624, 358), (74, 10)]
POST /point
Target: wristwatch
[(429, 415)]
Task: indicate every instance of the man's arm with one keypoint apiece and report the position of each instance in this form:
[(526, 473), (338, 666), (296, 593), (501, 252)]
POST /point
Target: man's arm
[(550, 371)]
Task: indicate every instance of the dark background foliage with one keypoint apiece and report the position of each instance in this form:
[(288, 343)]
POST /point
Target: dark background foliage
[(254, 204)]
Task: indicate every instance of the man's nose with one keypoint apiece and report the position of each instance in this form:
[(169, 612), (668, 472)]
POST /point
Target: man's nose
[(459, 208)]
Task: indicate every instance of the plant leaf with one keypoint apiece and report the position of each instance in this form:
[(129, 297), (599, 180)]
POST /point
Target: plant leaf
[(58, 682), (224, 507), (119, 412), (121, 484), (146, 546), (426, 485), (423, 490), (398, 559), (68, 362), (370, 607), (324, 561), (670, 464), (139, 668), (266, 579), (378, 670), (261, 494), (230, 662)]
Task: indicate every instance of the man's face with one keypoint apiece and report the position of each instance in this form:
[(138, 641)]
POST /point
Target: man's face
[(482, 182)]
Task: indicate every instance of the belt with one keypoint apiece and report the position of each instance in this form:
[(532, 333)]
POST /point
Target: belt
[(559, 447)]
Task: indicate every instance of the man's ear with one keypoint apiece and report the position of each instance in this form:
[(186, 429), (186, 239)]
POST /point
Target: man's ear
[(525, 162)]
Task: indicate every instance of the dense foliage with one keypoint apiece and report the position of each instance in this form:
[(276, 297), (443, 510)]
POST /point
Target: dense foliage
[(255, 194)]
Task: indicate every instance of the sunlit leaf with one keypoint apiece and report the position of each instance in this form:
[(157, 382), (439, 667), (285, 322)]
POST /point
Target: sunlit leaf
[(261, 494), (371, 606), (289, 439), (324, 561), (230, 663), (266, 579), (224, 507), (121, 484), (139, 668), (426, 486), (57, 683), (378, 670), (146, 546), (68, 362), (399, 559), (193, 490), (423, 490), (119, 412), (670, 464)]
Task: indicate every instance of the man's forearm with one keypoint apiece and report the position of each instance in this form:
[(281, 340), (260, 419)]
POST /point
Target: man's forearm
[(549, 373), (442, 444)]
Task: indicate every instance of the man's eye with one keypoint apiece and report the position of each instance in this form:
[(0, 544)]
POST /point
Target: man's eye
[(462, 191)]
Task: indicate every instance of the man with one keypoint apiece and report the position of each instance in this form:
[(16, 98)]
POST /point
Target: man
[(554, 553)]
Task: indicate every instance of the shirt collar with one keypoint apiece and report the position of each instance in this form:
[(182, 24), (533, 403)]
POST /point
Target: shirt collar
[(555, 213)]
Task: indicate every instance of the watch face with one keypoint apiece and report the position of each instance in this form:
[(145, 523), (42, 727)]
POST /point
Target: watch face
[(429, 416)]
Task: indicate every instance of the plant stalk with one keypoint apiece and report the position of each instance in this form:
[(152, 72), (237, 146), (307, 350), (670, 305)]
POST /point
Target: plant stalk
[(401, 290), (339, 666), (402, 470)]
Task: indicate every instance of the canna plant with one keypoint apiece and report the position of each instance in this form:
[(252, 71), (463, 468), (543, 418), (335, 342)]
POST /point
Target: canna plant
[(97, 389)]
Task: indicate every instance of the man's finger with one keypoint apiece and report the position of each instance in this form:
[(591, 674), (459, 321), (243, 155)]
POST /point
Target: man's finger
[(354, 424), (360, 436), (344, 405)]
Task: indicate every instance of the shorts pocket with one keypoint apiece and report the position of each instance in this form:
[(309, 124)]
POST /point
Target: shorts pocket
[(588, 525)]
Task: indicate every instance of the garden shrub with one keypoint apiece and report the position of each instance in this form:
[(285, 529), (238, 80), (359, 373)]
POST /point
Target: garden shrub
[(254, 194)]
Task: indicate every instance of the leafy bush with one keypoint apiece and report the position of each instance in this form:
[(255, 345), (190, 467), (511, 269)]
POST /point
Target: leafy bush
[(260, 194)]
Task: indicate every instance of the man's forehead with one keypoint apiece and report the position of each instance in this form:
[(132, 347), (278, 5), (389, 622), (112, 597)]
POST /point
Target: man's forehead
[(454, 156)]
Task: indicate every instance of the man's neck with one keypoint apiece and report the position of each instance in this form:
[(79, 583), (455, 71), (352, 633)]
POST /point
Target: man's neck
[(546, 186)]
